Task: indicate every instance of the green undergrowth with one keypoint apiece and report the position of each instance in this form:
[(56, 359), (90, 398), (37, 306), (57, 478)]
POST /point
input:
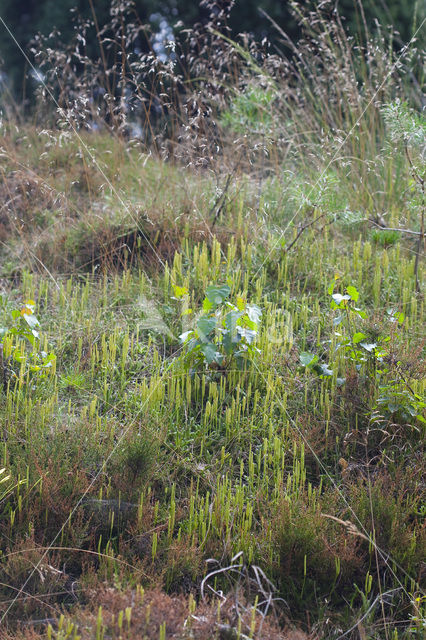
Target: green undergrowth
[(211, 366), (136, 469)]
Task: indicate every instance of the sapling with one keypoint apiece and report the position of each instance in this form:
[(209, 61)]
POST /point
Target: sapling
[(22, 327), (224, 334)]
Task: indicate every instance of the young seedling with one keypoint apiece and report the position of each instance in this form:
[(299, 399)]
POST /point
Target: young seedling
[(224, 333)]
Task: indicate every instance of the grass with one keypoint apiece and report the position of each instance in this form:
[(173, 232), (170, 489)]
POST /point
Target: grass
[(146, 499)]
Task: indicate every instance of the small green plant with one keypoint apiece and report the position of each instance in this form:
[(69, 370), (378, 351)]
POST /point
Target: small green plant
[(395, 401), (225, 333), (20, 329), (418, 617), (355, 345), (311, 361)]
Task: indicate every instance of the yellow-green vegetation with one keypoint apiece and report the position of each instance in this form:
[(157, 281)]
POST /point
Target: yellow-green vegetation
[(212, 389)]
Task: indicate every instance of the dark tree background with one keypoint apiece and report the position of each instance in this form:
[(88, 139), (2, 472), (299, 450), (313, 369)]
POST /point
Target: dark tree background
[(25, 18)]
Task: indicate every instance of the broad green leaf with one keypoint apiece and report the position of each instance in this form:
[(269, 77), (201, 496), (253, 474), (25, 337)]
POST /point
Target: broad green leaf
[(368, 346), (31, 337), (411, 410), (210, 353), (395, 315), (184, 336), (357, 337), (254, 312), (207, 305), (217, 294), (307, 359), (179, 292), (337, 297), (250, 324), (325, 369), (354, 294), (205, 326), (230, 342), (231, 320), (31, 321), (248, 334), (361, 313), (393, 407)]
